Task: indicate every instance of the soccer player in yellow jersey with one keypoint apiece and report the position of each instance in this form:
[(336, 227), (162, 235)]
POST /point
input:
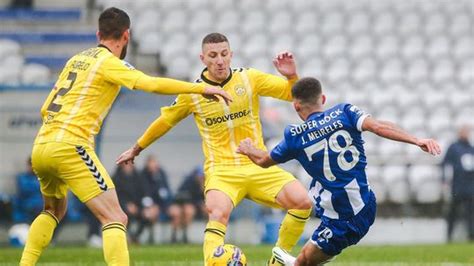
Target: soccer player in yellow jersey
[(230, 177), (63, 153)]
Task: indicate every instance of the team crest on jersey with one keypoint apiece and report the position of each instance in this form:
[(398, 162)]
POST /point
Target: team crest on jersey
[(239, 90), (127, 64)]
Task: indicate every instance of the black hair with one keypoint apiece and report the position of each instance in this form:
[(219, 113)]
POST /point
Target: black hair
[(113, 22), (307, 90)]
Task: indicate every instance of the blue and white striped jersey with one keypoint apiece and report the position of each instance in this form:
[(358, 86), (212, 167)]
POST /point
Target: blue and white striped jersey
[(329, 146)]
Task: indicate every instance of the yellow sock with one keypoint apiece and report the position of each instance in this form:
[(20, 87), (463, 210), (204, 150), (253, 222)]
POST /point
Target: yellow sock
[(213, 237), (114, 237), (291, 228), (40, 234)]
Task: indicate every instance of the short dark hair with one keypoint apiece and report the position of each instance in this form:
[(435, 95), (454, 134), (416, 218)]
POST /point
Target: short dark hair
[(307, 90), (214, 38), (113, 22)]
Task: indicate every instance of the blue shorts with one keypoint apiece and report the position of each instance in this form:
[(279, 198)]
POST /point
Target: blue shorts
[(334, 235)]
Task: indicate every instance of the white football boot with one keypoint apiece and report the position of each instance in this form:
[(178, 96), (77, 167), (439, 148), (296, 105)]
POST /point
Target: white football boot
[(283, 257)]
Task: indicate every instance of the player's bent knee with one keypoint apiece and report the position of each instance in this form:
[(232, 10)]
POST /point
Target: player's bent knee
[(306, 259), (302, 201), (305, 204), (59, 214), (58, 209), (114, 217), (122, 218), (218, 215), (310, 254), (303, 260)]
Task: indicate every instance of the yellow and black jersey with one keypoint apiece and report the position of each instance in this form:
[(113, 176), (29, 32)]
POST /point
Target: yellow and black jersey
[(222, 127), (85, 90)]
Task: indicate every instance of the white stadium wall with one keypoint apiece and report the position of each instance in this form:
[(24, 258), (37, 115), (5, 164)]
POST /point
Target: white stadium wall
[(20, 120)]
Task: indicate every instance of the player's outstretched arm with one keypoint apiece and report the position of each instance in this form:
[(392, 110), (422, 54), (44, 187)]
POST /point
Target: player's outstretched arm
[(117, 72), (172, 86), (391, 131), (258, 157)]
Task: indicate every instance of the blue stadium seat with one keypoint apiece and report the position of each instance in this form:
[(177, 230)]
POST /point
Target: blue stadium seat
[(53, 62), (40, 14), (49, 37)]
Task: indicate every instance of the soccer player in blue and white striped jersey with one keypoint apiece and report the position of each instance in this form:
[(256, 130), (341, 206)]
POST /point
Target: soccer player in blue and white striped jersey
[(329, 146)]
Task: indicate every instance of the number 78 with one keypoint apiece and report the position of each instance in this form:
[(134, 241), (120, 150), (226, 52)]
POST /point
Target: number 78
[(334, 145)]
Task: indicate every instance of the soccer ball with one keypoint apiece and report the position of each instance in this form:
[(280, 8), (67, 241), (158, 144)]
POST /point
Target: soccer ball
[(227, 255), (17, 234)]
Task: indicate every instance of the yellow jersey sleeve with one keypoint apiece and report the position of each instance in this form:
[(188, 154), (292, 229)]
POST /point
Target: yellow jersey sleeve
[(170, 116), (122, 73), (270, 85), (167, 86)]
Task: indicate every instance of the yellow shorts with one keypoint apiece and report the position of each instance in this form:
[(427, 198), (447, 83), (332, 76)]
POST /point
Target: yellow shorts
[(261, 185), (60, 166)]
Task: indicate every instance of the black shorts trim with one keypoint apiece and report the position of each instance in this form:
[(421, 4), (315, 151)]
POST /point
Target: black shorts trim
[(92, 168)]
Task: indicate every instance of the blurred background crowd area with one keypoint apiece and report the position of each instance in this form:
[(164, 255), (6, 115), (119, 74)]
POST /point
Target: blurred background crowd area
[(409, 62)]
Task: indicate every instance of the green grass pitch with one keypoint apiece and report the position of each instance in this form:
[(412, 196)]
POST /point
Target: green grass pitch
[(181, 255)]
